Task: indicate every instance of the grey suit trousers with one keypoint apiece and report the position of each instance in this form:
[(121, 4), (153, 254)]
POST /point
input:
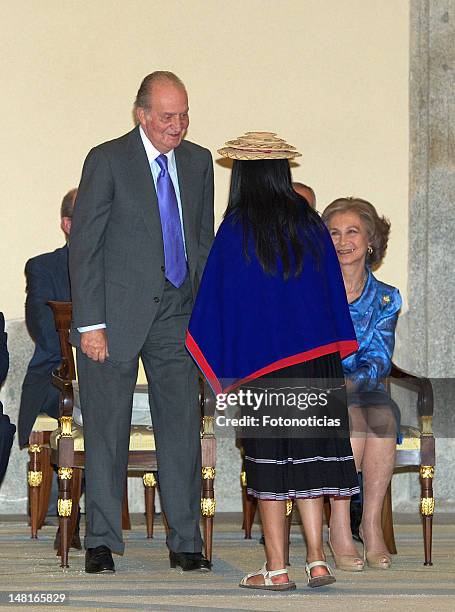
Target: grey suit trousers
[(106, 392)]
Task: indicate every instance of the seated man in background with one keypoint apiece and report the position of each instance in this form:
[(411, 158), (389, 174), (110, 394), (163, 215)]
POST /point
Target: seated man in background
[(306, 192), (47, 279), (7, 429)]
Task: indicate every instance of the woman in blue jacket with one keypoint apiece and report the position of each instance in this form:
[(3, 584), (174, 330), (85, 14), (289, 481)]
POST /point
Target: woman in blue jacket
[(360, 238)]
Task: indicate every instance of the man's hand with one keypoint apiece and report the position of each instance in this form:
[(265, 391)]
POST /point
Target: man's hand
[(94, 344)]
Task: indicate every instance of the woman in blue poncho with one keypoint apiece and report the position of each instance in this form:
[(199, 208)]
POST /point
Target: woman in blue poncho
[(271, 318), (360, 238)]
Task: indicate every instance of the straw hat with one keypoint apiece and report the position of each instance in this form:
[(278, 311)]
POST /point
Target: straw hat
[(258, 145)]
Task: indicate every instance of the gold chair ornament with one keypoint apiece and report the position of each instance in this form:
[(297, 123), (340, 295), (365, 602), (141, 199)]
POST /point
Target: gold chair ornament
[(35, 478), (208, 472), (65, 473), (208, 506), (64, 507), (426, 471), (149, 479), (427, 506), (66, 426)]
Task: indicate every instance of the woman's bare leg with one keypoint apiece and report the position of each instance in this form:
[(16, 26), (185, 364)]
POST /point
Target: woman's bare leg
[(377, 468), (273, 524), (311, 515), (340, 527), (340, 516)]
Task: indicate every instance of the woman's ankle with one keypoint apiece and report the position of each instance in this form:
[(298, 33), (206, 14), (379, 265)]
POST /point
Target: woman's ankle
[(275, 564), (315, 554), (371, 528)]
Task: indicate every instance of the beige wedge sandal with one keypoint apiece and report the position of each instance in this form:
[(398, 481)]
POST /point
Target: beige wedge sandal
[(347, 563)]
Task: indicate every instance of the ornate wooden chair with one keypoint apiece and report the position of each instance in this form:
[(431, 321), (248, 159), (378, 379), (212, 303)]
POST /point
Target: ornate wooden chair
[(40, 474), (67, 448), (416, 452)]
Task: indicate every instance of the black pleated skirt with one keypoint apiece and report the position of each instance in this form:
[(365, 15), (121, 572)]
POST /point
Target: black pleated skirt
[(294, 466)]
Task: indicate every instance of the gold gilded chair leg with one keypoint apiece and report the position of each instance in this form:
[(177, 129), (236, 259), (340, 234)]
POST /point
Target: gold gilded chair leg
[(149, 481), (126, 521), (76, 489), (387, 521), (208, 505), (287, 531), (427, 509), (165, 523), (65, 474), (45, 489), (64, 507), (244, 500), (249, 507), (35, 479)]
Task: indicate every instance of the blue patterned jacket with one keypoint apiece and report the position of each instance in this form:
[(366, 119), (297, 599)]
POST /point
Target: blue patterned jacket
[(374, 315)]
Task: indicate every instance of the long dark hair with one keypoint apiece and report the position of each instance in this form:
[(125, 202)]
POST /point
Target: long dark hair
[(283, 225)]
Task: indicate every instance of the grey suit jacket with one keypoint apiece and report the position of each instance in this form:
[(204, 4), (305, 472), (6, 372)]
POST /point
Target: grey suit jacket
[(116, 255)]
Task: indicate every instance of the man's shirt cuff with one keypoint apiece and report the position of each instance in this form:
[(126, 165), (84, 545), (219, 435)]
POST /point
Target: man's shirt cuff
[(91, 327)]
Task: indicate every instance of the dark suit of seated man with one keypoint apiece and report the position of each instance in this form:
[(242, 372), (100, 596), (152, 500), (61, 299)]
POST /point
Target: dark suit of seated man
[(7, 429), (47, 279)]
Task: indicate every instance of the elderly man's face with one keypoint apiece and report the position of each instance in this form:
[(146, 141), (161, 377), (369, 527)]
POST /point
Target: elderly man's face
[(166, 120)]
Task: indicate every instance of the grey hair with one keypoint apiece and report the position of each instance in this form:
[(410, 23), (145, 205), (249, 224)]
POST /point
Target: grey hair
[(159, 76), (66, 209)]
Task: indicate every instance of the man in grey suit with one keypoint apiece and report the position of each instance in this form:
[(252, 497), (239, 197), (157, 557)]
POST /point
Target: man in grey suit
[(141, 233)]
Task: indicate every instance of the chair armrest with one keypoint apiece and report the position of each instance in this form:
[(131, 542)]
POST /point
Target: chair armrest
[(65, 386), (206, 398), (207, 408), (420, 384)]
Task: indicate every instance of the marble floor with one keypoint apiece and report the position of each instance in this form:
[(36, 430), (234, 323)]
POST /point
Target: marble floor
[(144, 581)]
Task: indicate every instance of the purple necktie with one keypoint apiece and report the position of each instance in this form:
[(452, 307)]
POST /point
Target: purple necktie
[(174, 252)]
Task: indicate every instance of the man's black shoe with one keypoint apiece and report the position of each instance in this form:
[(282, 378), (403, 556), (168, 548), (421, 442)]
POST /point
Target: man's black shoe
[(190, 561), (99, 560)]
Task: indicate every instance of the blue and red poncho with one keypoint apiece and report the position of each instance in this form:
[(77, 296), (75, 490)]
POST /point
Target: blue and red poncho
[(247, 323)]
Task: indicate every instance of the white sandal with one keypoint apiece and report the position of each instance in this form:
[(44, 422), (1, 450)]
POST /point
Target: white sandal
[(268, 585), (322, 580)]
